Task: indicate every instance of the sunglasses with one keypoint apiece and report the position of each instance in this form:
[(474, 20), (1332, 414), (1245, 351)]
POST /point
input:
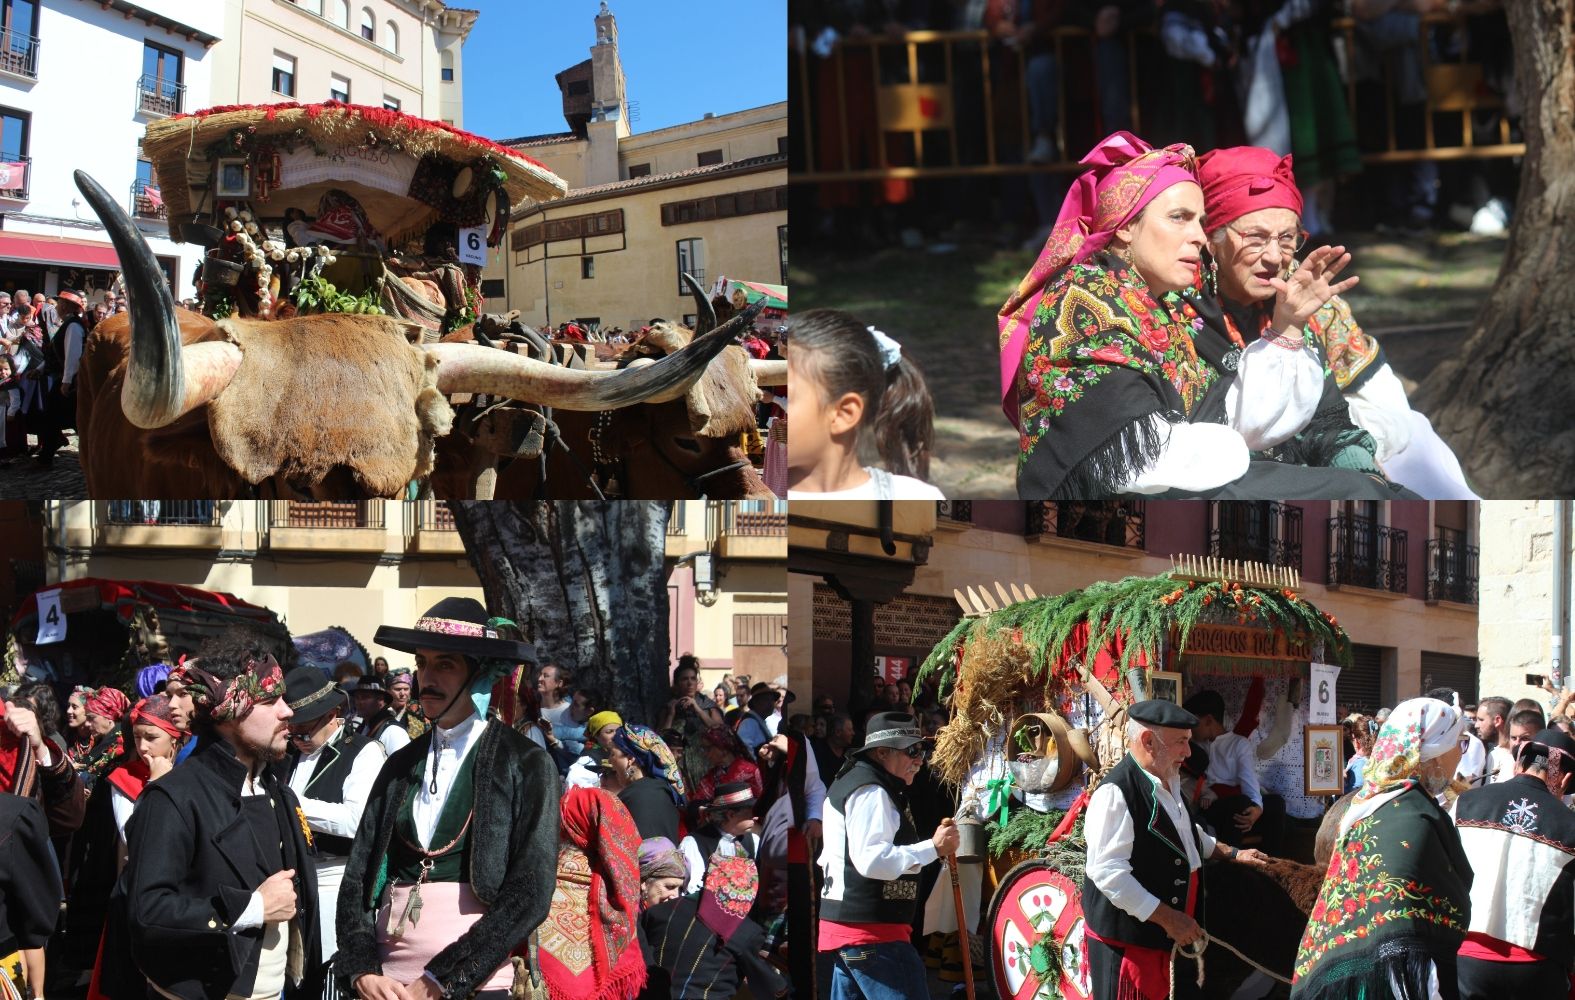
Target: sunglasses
[(918, 751)]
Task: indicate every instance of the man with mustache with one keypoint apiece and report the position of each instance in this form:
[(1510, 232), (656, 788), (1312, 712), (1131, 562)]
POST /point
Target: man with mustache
[(455, 862), (219, 889)]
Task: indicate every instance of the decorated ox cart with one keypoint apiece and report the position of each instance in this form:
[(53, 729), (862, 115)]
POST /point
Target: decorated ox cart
[(338, 342), (103, 631), (1039, 689)]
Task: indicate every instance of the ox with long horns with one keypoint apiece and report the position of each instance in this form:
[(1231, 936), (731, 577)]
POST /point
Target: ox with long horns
[(683, 447), (172, 404)]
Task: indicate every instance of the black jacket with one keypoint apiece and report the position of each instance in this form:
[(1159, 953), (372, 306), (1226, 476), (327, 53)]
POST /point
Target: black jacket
[(192, 865), (29, 879), (513, 855), (675, 939)]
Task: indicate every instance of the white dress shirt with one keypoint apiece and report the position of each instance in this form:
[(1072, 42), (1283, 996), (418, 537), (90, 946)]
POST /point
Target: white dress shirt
[(338, 819), (1232, 762), (872, 823), (394, 737), (727, 847), (454, 745), (1108, 828)]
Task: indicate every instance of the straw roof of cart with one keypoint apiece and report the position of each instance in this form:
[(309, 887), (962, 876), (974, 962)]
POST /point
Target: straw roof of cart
[(1033, 652), (177, 146)]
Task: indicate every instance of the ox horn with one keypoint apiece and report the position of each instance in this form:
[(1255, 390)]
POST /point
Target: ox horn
[(705, 313), (475, 369), (157, 390), (769, 372)]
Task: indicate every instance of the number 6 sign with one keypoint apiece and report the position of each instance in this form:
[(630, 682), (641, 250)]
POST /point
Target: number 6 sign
[(473, 246)]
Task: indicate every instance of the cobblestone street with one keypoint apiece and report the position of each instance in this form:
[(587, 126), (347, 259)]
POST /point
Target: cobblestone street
[(24, 480)]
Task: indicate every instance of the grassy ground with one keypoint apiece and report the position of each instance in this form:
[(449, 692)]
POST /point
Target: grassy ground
[(1419, 297)]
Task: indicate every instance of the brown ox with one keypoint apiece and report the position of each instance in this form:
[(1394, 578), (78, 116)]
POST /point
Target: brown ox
[(174, 405), (680, 448)]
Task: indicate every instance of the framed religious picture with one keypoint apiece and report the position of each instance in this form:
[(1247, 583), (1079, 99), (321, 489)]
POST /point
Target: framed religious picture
[(233, 178), (1325, 760), (1164, 684)]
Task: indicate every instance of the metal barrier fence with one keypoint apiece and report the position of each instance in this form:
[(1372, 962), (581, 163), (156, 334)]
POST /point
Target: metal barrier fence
[(911, 81)]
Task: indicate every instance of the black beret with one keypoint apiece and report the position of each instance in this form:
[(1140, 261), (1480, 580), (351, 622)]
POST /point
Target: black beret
[(1207, 703), (1159, 712)]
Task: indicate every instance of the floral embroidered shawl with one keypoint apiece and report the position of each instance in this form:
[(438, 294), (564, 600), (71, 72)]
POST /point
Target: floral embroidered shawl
[(1394, 907), (1102, 356)]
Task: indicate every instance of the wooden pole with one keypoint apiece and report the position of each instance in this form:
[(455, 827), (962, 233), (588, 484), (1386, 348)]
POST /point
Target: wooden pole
[(962, 922)]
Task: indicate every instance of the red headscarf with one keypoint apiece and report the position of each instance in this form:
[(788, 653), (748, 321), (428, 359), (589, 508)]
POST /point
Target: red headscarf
[(133, 774), (1125, 174), (1244, 179), (596, 824), (110, 703), (154, 710)]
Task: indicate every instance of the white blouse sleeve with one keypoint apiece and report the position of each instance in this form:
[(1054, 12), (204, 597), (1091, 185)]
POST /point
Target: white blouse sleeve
[(1107, 826), (1196, 457), (1379, 407), (1275, 393)]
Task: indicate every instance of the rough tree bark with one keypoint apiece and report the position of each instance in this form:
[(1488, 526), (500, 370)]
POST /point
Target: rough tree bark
[(1503, 401), (588, 582)]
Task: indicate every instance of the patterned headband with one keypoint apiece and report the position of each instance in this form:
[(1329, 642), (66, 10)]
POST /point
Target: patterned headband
[(234, 699)]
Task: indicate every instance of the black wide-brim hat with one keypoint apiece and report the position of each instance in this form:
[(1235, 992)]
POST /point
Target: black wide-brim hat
[(310, 694), (456, 625)]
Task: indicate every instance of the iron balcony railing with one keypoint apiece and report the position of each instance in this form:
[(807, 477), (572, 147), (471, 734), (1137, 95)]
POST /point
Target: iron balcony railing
[(675, 520), (147, 201), (1364, 553), (19, 54), (1120, 523), (960, 511), (325, 514), (160, 97), (163, 512), (1451, 568), (436, 515), (1261, 530), (755, 518)]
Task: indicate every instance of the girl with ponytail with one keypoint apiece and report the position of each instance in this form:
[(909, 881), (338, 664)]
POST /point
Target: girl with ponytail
[(846, 377)]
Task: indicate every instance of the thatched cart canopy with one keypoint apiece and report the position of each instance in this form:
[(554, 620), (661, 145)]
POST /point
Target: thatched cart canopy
[(1035, 655), (406, 172)]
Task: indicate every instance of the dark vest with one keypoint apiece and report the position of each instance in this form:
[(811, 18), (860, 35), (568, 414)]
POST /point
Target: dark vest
[(1159, 863), (1543, 818), (708, 838), (865, 900), (454, 827), (328, 783)]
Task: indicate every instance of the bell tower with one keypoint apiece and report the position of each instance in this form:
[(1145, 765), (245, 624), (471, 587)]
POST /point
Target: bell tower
[(609, 119)]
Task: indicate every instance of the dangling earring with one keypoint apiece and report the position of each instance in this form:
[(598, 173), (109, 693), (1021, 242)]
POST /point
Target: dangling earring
[(1213, 282)]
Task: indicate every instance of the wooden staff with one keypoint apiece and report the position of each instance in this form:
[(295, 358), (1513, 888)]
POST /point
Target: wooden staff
[(962, 924)]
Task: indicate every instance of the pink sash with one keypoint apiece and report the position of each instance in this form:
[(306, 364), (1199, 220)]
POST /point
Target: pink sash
[(447, 911)]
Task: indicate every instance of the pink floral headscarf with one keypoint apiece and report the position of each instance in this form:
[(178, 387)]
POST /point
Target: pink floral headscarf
[(1125, 173)]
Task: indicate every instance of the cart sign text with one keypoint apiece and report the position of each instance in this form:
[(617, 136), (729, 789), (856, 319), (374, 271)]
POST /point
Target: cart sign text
[(1245, 642)]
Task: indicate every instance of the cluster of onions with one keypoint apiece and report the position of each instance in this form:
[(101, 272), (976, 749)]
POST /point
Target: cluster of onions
[(262, 256)]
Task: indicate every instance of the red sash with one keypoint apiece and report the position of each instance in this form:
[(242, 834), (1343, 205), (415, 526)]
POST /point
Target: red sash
[(1145, 972)]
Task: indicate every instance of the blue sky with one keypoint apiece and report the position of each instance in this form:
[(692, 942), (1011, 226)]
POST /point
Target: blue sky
[(680, 60)]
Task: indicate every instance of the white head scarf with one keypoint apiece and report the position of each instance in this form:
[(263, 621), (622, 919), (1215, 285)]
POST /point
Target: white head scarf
[(1416, 731)]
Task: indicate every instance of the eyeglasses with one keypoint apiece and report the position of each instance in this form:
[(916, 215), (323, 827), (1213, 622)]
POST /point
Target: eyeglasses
[(918, 751), (1255, 243)]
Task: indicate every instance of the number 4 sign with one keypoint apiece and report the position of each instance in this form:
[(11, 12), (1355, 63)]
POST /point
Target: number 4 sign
[(473, 246), (51, 620)]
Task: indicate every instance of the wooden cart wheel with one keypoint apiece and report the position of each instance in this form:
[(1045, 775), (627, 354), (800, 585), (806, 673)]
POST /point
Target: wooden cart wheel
[(1031, 898)]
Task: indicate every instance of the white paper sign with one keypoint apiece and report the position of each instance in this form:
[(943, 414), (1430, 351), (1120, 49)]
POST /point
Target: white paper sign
[(51, 620), (473, 246), (1322, 712)]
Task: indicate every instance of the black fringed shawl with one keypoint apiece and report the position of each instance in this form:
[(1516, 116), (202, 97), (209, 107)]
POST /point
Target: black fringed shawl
[(1395, 906)]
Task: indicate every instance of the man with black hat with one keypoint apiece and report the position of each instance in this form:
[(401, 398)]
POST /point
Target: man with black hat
[(1520, 838), (871, 863), (1141, 889), (331, 769), (729, 831), (374, 705), (455, 862), (753, 726), (1232, 800), (220, 895)]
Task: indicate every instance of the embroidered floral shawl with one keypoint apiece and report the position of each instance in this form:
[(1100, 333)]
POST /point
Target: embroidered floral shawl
[(1395, 906), (1102, 356)]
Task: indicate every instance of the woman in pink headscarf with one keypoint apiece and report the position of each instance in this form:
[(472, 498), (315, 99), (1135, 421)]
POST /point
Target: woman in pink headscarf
[(1116, 383), (1363, 421)]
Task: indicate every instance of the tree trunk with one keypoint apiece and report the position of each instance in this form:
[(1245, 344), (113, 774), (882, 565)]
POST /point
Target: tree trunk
[(587, 581), (1503, 404)]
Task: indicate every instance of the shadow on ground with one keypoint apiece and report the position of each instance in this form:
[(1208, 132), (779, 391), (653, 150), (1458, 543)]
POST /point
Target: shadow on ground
[(1420, 298)]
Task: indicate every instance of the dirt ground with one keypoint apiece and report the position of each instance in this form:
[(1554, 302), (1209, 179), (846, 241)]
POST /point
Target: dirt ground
[(1418, 297)]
